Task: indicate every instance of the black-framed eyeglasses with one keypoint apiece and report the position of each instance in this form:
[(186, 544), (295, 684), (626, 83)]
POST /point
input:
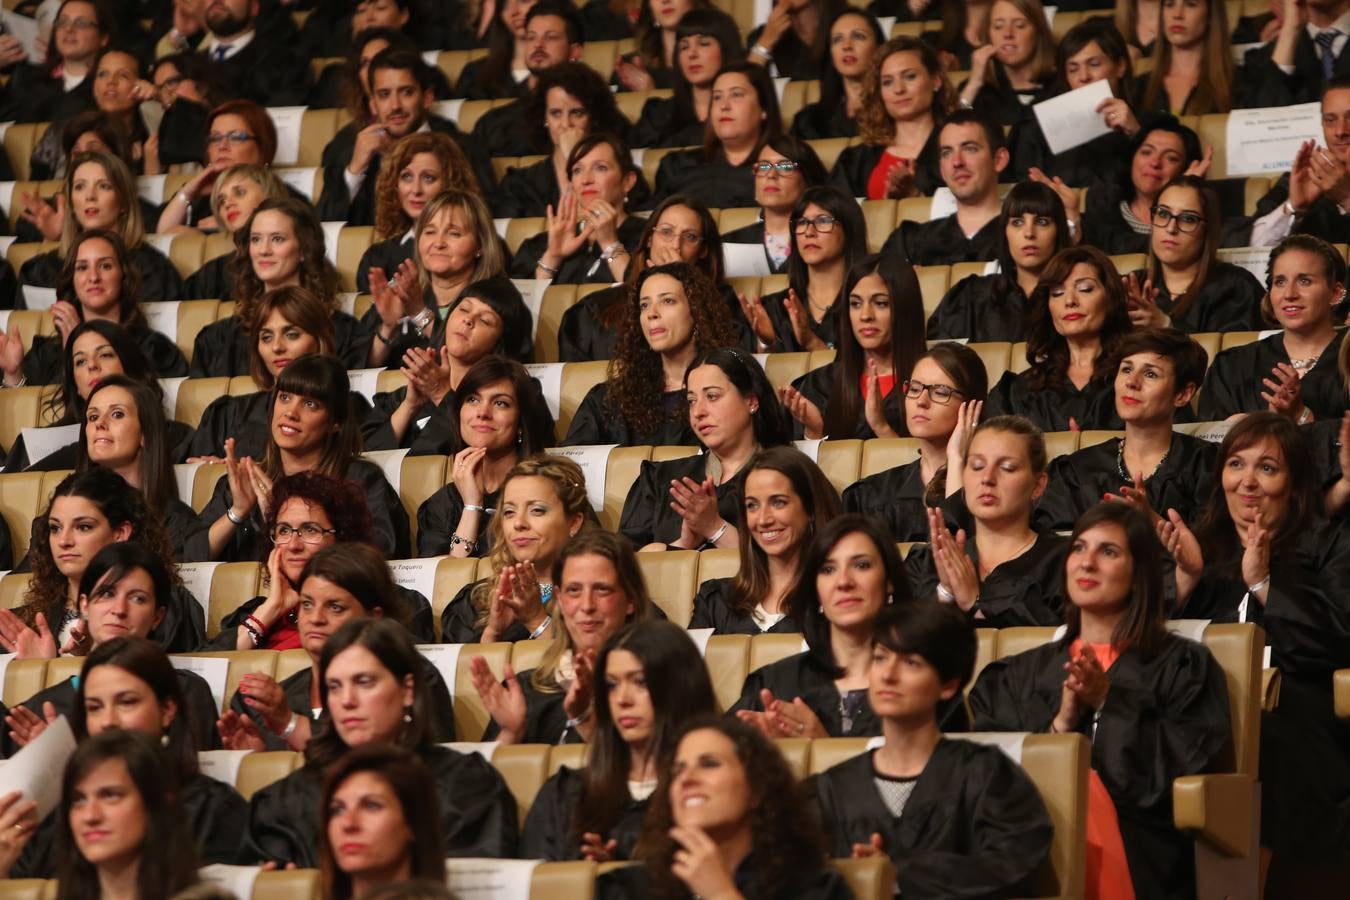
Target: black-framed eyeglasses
[(1187, 222), (940, 393), (782, 167), (309, 532), (234, 137), (824, 224)]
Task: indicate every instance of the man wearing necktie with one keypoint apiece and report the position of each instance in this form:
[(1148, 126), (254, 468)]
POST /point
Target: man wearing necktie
[(1308, 51), (254, 63)]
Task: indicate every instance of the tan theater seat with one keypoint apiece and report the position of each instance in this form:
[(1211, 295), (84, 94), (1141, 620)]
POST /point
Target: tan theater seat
[(986, 651), (13, 588), (261, 768), (204, 483), (23, 679), (932, 286), (797, 752), (868, 879), (570, 756), (573, 880), (20, 139), (27, 888), (452, 62), (231, 585), (21, 409), (770, 648), (295, 884), (880, 454), (317, 128), (577, 380), (631, 102), (784, 368), (18, 254), (452, 574), (471, 716), (672, 578), (419, 478), (242, 662), (828, 149), (727, 657), (996, 356), (621, 472), (193, 316), (557, 300), (291, 661), (840, 461), (524, 768), (529, 654), (62, 668), (714, 563), (20, 502), (353, 242), (1060, 443)]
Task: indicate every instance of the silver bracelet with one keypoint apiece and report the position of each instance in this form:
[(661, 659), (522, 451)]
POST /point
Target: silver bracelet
[(945, 595), (290, 726), (547, 268), (472, 507), (717, 535), (548, 620), (761, 51), (238, 520), (1261, 585)]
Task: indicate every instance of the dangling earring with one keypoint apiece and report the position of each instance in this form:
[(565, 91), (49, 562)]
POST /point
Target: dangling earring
[(407, 715), (164, 740), (890, 598), (820, 608)]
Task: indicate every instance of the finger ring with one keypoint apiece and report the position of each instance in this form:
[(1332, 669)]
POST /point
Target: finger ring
[(801, 726), (19, 828)]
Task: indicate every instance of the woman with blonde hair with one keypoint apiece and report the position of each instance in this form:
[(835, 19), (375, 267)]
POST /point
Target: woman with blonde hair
[(1015, 66), (238, 191)]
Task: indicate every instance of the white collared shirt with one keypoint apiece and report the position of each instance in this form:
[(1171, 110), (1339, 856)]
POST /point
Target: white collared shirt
[(232, 46)]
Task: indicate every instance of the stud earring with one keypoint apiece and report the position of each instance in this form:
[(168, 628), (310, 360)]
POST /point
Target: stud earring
[(407, 715)]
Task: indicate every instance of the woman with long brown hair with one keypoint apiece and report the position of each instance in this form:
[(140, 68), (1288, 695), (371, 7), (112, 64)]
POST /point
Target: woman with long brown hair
[(1193, 72)]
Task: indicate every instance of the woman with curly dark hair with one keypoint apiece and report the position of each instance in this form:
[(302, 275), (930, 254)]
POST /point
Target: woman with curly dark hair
[(728, 818), (704, 40), (690, 503), (674, 313), (1078, 312), (281, 246), (680, 229), (412, 172), (569, 101)]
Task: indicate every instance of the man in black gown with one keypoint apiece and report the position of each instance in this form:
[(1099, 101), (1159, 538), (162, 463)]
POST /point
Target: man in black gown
[(255, 63)]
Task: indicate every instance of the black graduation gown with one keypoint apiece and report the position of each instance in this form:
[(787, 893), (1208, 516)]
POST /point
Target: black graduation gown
[(600, 23), (1322, 218), (785, 340), (647, 516), (597, 422), (582, 334), (188, 536), (474, 85), (67, 457), (549, 833), (804, 675), (268, 71), (999, 102), (386, 510), (974, 827), (221, 348), (816, 386), (545, 718), (508, 131), (478, 813), (941, 242), (33, 95), (823, 120), (244, 417), (1092, 407), (753, 235), (1163, 718), (9, 285), (159, 279), (583, 267), (431, 430), (1078, 481), (853, 169), (1101, 161), (439, 514), (1229, 301), (1233, 383), (44, 363), (896, 496), (1027, 590), (386, 255), (812, 883), (713, 609), (716, 183), (526, 190), (791, 58), (970, 311), (1105, 228), (213, 281), (662, 123)]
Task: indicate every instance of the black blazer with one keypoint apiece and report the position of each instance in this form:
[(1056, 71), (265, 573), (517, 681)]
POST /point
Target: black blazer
[(268, 71)]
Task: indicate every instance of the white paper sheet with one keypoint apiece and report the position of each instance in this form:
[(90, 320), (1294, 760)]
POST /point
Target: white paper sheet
[(238, 880), (287, 120), (365, 382), (448, 109), (887, 23), (445, 657), (416, 574), (215, 671), (346, 301), (43, 442), (162, 316), (501, 225), (810, 447), (35, 297), (391, 461), (1010, 742), (485, 749), (331, 230), (1214, 432), (490, 879), (594, 463), (151, 188), (222, 765), (1253, 259), (549, 376), (197, 576), (638, 154), (26, 30), (6, 187), (1262, 141), (1192, 629), (943, 204), (700, 638), (532, 292), (1071, 119), (779, 85), (161, 242), (36, 769), (745, 260), (302, 179), (185, 476)]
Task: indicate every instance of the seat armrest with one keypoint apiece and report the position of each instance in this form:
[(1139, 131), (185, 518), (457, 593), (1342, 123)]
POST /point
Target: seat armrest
[(1217, 808), (1341, 683)]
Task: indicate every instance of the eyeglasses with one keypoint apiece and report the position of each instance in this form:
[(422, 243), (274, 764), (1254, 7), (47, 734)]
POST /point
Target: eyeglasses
[(782, 167), (309, 532), (940, 393), (824, 224), (668, 233), (232, 137), (1187, 222), (169, 85), (77, 24)]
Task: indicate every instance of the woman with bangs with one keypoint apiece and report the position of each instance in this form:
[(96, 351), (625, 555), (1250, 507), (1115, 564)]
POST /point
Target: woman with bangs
[(905, 96), (785, 168), (416, 170), (674, 313), (855, 36), (1193, 71), (599, 590), (705, 40), (282, 245), (1184, 284), (1013, 67), (854, 396), (680, 229), (313, 426), (993, 307), (499, 417), (1078, 312), (100, 193), (236, 193), (654, 65), (786, 500)]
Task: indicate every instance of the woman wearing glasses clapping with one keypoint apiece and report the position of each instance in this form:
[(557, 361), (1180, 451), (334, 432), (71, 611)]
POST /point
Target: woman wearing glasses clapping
[(1185, 286)]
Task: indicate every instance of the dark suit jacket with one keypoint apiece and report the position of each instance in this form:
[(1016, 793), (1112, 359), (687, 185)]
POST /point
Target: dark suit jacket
[(268, 71)]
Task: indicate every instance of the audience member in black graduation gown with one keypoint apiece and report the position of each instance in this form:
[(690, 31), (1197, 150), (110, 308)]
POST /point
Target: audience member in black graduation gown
[(1092, 50), (1117, 216), (281, 245), (314, 589), (63, 84), (795, 40), (1157, 376), (777, 191), (689, 503), (854, 37), (706, 39), (354, 176), (786, 498), (504, 72), (98, 281), (1014, 66), (497, 417), (993, 307), (100, 193), (1077, 315), (569, 101), (851, 571), (344, 85), (392, 706), (855, 395), (958, 818), (524, 551), (265, 69), (235, 195), (905, 96), (1001, 571), (590, 235), (1301, 362), (1291, 69), (652, 28), (1137, 691), (1185, 285), (134, 666), (945, 388), (1193, 73), (753, 836), (126, 590), (742, 115), (313, 426), (186, 86), (679, 229), (1269, 558), (673, 314), (649, 680)]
